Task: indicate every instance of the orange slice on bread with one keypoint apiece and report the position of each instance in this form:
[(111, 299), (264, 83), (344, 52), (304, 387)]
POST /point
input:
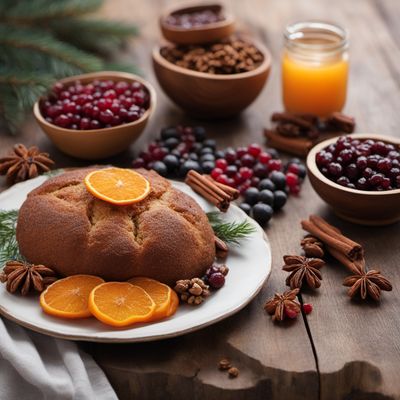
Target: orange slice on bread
[(68, 297), (118, 186), (159, 292), (121, 304)]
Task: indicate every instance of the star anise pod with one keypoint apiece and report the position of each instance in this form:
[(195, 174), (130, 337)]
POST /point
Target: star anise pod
[(301, 268), (367, 284), (20, 275), (24, 163), (282, 305), (312, 247)]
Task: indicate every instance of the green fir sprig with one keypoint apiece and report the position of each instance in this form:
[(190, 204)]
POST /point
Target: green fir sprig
[(229, 232), (44, 40), (9, 249)]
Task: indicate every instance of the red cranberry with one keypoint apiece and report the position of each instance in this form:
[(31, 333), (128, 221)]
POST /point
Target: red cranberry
[(254, 150), (292, 179), (84, 124), (335, 169), (240, 152), (138, 163), (290, 313), (223, 179), (307, 308), (230, 155), (376, 179), (246, 172), (275, 165), (216, 172), (62, 120), (221, 163), (264, 157), (293, 168), (106, 116)]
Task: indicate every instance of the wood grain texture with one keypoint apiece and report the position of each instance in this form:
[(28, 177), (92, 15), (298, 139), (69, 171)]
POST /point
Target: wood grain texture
[(357, 346)]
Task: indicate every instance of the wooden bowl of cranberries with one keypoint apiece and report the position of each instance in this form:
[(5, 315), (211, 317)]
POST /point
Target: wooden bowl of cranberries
[(96, 115), (358, 175)]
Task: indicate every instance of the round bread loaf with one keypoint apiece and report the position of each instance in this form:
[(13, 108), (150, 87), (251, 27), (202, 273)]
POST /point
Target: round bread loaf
[(166, 236)]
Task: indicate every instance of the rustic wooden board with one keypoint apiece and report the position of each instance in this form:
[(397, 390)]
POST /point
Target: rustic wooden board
[(344, 350)]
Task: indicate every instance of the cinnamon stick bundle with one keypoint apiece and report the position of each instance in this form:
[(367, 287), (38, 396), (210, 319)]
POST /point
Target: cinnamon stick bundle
[(216, 193), (297, 146), (333, 238)]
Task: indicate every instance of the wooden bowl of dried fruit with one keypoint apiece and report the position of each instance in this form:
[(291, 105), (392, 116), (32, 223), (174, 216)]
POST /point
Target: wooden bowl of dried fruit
[(96, 115), (358, 175), (196, 24), (219, 89)]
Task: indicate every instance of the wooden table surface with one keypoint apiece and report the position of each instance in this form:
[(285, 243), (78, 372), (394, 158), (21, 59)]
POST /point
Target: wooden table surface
[(343, 349)]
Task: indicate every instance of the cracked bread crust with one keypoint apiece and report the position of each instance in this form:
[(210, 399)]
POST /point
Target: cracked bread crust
[(166, 236)]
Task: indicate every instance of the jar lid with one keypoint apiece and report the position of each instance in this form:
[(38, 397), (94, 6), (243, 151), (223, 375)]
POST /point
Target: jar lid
[(197, 24)]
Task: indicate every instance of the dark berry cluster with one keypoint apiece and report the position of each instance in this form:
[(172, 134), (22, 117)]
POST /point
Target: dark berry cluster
[(95, 105), (178, 150), (271, 192), (260, 176), (361, 164)]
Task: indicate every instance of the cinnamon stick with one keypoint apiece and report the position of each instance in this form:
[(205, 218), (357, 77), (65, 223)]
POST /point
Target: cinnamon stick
[(297, 146), (355, 267), (333, 239), (234, 193), (332, 230), (209, 190)]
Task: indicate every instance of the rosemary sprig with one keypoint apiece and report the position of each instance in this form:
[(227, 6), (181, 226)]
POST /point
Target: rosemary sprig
[(229, 232), (9, 249)]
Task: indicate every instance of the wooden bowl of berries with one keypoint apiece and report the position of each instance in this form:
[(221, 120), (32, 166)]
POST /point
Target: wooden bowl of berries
[(213, 81), (196, 24), (358, 175), (96, 115)]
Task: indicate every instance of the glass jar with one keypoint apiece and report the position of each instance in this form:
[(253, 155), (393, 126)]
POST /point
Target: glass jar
[(315, 68)]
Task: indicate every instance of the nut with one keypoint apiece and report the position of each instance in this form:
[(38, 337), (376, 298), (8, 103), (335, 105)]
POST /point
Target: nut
[(233, 372), (224, 364)]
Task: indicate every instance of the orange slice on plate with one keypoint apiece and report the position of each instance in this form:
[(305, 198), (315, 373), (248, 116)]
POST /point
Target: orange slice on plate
[(160, 293), (173, 305), (117, 185), (68, 297), (121, 304)]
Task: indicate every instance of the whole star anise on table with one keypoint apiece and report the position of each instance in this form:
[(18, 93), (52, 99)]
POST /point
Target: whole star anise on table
[(301, 268), (24, 163), (367, 284), (282, 305), (20, 275)]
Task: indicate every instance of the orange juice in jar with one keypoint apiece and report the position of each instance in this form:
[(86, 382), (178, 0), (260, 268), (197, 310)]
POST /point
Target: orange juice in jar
[(315, 68)]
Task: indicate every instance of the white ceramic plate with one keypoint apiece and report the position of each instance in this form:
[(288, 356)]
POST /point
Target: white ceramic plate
[(249, 264)]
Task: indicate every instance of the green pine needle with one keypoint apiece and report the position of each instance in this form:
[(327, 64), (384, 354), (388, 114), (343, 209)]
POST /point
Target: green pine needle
[(9, 249), (229, 232), (30, 11)]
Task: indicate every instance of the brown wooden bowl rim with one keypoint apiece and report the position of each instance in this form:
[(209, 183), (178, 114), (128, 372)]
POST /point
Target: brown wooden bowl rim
[(312, 165), (264, 66), (229, 18), (101, 75)]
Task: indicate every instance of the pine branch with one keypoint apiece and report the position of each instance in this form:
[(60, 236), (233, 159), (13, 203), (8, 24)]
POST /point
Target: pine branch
[(92, 34), (43, 43), (9, 249), (229, 232), (26, 11)]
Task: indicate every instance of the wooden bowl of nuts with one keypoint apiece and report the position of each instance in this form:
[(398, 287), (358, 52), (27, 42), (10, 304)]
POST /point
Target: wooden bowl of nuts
[(96, 115), (196, 24), (213, 81)]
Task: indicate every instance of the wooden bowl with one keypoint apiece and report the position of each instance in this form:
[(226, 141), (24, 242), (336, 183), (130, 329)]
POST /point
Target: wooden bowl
[(358, 206), (198, 34), (211, 96), (96, 144)]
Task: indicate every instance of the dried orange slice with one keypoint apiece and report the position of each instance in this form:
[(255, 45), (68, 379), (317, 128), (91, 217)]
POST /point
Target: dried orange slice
[(173, 305), (160, 293), (120, 304), (117, 185), (68, 297)]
